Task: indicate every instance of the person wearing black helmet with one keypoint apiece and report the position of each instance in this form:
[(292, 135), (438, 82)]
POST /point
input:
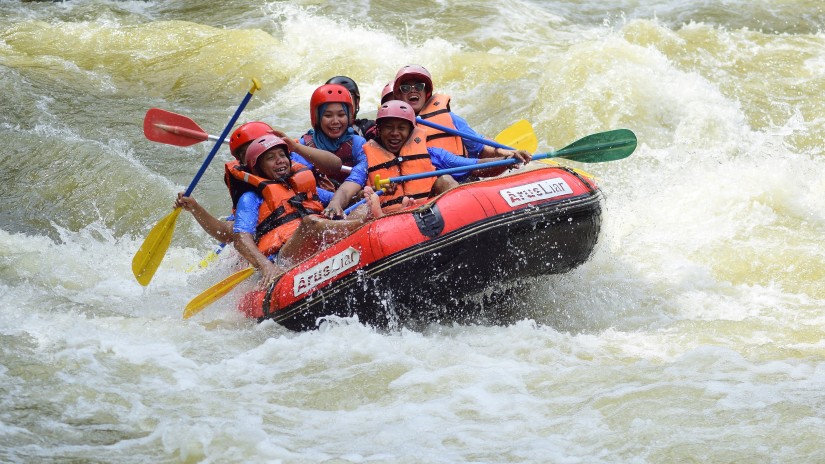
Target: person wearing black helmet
[(361, 126)]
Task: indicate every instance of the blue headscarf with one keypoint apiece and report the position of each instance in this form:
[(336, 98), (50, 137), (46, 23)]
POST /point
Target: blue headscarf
[(322, 141)]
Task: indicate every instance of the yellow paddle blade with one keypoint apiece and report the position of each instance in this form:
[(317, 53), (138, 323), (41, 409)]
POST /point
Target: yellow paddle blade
[(151, 252), (216, 291), (520, 136), (203, 263)]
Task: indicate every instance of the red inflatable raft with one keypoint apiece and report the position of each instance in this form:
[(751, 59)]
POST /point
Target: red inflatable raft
[(425, 264)]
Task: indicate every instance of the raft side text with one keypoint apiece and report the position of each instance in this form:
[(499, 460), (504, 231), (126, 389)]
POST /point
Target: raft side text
[(536, 191), (325, 270)]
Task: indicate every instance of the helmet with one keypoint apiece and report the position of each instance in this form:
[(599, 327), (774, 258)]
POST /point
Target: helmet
[(386, 94), (352, 87), (395, 109), (329, 93), (413, 71), (261, 145), (247, 133), (348, 83)]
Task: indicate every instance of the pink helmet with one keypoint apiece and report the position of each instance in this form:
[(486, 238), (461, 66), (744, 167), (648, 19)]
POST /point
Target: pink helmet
[(329, 93), (395, 109), (247, 133), (386, 93), (412, 71), (261, 145)]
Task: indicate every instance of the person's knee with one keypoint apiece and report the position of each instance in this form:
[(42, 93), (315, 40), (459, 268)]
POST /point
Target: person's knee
[(444, 183)]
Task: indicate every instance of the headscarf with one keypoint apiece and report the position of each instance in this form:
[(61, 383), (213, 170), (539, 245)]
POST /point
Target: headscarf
[(325, 143)]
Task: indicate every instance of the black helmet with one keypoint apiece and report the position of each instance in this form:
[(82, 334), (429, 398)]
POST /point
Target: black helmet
[(348, 83)]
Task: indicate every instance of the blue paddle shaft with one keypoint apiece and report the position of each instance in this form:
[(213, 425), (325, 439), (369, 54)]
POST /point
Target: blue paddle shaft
[(463, 135), (220, 140)]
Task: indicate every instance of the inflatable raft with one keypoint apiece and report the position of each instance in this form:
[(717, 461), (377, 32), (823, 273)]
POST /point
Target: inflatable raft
[(425, 264)]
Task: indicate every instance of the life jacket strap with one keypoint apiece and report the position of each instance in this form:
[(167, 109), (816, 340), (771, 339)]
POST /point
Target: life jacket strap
[(278, 218), (434, 113), (396, 161)]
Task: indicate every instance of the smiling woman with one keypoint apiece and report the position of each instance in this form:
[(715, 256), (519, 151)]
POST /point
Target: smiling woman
[(331, 113)]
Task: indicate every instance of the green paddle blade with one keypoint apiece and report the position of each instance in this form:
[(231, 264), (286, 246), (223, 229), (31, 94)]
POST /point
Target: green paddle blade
[(598, 148), (216, 291), (151, 252), (519, 136)]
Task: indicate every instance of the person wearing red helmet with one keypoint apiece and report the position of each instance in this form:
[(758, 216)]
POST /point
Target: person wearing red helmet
[(330, 111), (361, 126), (414, 85), (281, 192), (401, 149)]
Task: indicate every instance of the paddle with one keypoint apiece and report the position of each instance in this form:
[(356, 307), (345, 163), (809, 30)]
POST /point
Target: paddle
[(519, 136), (151, 252), (216, 291), (160, 126), (517, 132), (212, 256), (173, 129), (596, 148)]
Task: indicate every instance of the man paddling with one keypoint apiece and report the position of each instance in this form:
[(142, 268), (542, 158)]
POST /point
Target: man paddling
[(401, 149)]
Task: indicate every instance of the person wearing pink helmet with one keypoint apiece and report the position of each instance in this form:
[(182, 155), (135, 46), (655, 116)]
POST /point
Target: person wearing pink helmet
[(239, 140), (386, 95), (414, 85), (281, 192), (401, 149), (221, 230)]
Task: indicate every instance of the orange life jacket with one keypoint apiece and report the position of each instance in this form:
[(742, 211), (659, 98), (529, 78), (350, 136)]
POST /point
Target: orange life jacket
[(412, 159), (437, 110), (332, 182), (286, 201)]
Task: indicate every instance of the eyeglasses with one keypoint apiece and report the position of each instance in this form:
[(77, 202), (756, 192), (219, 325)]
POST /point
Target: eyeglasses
[(407, 88)]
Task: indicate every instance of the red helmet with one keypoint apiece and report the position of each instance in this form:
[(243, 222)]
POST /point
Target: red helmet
[(329, 93), (386, 94), (247, 133), (260, 146), (395, 109), (412, 71), (350, 85)]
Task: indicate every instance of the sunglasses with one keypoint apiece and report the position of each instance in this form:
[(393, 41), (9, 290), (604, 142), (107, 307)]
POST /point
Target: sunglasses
[(407, 88)]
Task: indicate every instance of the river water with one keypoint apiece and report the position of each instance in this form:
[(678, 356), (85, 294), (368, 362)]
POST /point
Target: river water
[(694, 334)]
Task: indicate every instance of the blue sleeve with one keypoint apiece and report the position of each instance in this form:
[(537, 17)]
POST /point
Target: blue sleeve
[(246, 214), (473, 148), (324, 196), (358, 174), (442, 159)]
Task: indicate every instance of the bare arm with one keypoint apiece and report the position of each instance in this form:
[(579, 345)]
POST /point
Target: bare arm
[(341, 199), (219, 230), (327, 162), (245, 244), (500, 154)]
